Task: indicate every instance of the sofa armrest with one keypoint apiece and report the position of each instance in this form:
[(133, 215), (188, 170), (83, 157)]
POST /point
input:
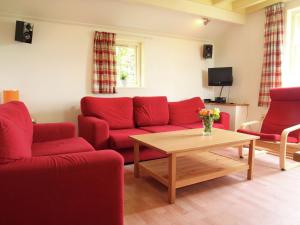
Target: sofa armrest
[(52, 131), (80, 188), (94, 130), (224, 120)]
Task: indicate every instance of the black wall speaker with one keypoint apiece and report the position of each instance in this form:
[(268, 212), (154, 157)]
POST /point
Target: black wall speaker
[(207, 51), (24, 31)]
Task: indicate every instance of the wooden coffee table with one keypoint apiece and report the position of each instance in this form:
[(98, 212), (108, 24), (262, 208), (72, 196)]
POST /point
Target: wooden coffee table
[(190, 159)]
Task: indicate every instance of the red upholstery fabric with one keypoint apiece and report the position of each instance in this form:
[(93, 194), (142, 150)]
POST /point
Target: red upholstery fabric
[(151, 111), (165, 128), (62, 146), (285, 94), (145, 154), (94, 130), (200, 125), (268, 137), (74, 189), (120, 138), (15, 132), (186, 111), (118, 112), (224, 120), (283, 111), (193, 125), (151, 115), (52, 131)]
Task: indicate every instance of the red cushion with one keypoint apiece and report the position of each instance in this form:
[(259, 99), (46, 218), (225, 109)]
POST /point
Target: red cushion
[(120, 138), (268, 137), (118, 112), (62, 146), (151, 111), (285, 94), (164, 128), (16, 132), (200, 125), (186, 111), (283, 111)]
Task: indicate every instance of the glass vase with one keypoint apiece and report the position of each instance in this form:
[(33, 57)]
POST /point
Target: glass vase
[(207, 125)]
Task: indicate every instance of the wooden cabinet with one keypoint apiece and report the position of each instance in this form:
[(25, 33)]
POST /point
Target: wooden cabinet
[(238, 112)]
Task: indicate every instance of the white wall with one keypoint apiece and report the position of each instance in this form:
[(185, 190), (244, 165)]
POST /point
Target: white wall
[(54, 72), (242, 48)]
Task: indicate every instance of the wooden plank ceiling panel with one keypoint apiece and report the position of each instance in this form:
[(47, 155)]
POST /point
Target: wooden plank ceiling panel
[(233, 11)]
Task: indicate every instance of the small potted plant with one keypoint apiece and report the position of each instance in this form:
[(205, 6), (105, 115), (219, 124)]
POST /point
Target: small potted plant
[(123, 78), (208, 117)]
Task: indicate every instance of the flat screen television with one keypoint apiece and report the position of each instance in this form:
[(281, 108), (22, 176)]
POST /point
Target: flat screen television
[(220, 76)]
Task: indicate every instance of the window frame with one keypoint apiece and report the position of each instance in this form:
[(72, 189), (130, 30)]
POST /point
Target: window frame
[(139, 59)]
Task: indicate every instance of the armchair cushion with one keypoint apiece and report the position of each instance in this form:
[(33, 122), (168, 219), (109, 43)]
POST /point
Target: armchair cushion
[(52, 131), (63, 146), (186, 111), (268, 137), (283, 111), (118, 112), (120, 138), (151, 111), (15, 132)]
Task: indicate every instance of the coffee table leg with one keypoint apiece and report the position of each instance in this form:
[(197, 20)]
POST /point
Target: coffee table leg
[(251, 159), (136, 149), (172, 178)]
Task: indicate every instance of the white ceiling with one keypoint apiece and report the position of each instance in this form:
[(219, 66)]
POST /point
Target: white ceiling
[(118, 13)]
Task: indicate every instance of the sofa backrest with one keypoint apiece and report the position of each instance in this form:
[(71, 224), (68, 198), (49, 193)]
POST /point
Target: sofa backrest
[(284, 111), (16, 131), (151, 111), (186, 111), (118, 112)]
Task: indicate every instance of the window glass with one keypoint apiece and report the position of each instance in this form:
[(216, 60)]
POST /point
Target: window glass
[(291, 76), (128, 64)]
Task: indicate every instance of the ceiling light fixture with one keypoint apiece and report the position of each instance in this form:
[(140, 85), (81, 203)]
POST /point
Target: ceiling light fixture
[(203, 21)]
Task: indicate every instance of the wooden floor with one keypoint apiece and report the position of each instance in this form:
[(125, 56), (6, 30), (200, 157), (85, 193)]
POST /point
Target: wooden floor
[(271, 198)]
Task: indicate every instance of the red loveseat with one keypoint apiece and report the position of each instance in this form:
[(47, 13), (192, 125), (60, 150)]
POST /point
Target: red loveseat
[(108, 122), (50, 177)]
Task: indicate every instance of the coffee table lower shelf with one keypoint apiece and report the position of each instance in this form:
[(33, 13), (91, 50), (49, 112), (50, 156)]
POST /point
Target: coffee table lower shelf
[(192, 168)]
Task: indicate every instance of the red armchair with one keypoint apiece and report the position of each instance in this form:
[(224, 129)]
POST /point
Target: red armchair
[(50, 177), (280, 129)]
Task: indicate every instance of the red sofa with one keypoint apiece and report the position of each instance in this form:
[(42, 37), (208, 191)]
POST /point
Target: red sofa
[(107, 122), (50, 177)]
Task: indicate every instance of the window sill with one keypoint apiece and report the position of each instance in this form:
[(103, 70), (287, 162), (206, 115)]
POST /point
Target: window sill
[(130, 87)]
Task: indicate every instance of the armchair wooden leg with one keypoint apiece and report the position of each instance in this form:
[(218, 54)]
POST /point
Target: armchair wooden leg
[(241, 152), (282, 158)]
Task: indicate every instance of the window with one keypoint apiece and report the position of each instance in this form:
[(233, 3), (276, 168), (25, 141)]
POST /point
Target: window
[(128, 55), (291, 76)]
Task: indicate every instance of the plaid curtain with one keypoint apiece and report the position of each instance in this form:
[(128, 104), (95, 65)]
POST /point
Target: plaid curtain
[(271, 71), (105, 74)]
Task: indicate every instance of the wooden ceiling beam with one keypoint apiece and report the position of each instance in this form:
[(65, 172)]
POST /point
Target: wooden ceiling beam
[(215, 2), (195, 8), (243, 4), (262, 5)]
